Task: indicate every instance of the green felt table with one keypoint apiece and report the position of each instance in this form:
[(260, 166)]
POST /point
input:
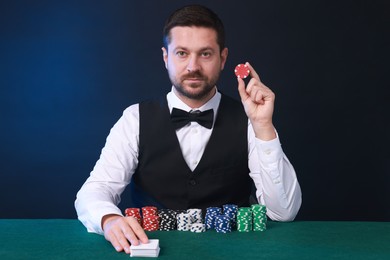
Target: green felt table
[(68, 239)]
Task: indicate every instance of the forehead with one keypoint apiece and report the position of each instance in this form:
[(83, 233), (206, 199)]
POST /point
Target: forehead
[(193, 37)]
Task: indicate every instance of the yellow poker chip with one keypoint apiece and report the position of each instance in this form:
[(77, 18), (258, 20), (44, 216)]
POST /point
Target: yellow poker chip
[(242, 71)]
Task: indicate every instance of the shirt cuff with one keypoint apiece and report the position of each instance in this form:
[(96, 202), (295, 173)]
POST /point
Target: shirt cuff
[(94, 224), (269, 151)]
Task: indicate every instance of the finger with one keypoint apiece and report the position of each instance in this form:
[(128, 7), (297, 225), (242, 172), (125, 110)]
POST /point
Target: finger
[(138, 232), (258, 97), (125, 234), (252, 85), (241, 89), (252, 88), (124, 243), (117, 238), (119, 235), (110, 236), (253, 73)]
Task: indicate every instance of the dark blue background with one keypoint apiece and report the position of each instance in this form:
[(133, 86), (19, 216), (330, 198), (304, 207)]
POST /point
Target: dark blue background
[(69, 68)]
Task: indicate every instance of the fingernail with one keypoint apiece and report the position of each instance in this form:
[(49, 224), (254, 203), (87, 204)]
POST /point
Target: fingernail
[(118, 248)]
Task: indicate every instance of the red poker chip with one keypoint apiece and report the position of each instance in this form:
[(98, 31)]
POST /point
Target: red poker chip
[(149, 210), (151, 223), (135, 211), (242, 71)]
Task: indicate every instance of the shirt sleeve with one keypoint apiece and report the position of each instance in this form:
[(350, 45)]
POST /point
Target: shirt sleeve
[(100, 194), (274, 176)]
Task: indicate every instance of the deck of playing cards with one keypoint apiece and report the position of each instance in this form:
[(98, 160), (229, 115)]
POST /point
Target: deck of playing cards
[(151, 249)]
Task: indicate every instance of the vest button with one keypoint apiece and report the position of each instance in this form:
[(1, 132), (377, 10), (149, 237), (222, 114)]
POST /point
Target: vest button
[(192, 182)]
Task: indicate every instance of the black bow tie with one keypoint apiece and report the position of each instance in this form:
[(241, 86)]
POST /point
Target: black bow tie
[(181, 118)]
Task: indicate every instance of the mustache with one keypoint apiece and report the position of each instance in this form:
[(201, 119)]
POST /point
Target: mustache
[(192, 75)]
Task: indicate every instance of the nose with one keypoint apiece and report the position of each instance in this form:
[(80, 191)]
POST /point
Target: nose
[(193, 64)]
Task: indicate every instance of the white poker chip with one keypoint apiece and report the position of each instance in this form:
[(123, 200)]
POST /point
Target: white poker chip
[(198, 228)]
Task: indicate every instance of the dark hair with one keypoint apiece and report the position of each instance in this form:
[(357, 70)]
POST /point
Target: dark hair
[(194, 15)]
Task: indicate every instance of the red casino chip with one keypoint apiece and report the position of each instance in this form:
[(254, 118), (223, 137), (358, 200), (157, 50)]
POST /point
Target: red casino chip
[(149, 210), (151, 223), (134, 212), (242, 71)]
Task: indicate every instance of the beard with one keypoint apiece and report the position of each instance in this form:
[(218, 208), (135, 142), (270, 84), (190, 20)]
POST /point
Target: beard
[(195, 91)]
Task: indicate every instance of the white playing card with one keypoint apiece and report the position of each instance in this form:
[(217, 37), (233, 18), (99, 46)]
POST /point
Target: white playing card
[(150, 249)]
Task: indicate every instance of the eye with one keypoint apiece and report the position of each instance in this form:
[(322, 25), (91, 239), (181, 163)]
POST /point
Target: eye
[(206, 54), (181, 53)]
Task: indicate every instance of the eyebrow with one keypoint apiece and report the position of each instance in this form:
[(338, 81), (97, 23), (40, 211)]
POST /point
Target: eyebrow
[(201, 50)]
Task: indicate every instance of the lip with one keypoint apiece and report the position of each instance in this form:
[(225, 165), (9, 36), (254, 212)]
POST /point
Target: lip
[(193, 79)]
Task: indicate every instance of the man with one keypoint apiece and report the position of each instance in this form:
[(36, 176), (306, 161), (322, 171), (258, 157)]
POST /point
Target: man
[(186, 165)]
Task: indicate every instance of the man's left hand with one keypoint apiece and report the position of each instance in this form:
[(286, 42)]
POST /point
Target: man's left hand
[(258, 101)]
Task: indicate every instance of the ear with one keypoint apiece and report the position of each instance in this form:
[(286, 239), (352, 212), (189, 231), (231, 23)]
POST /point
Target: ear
[(165, 56), (224, 55)]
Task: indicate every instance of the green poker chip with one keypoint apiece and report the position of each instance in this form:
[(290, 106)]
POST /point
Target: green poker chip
[(253, 218)]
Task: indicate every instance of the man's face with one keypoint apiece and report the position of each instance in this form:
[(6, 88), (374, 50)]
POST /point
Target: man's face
[(194, 61)]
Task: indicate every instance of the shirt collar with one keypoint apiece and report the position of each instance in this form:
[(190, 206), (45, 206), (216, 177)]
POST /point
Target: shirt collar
[(174, 101)]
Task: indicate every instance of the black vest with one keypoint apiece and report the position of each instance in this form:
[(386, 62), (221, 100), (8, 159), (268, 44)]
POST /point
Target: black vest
[(163, 178)]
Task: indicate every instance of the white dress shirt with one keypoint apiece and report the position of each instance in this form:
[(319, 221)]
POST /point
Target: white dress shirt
[(274, 176)]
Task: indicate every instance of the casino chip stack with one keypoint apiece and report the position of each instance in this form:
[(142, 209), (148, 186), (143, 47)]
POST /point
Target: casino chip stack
[(211, 213), (183, 222), (222, 224), (244, 219), (167, 219), (195, 215), (223, 220), (134, 212), (150, 219), (230, 210), (191, 220), (197, 224), (259, 217)]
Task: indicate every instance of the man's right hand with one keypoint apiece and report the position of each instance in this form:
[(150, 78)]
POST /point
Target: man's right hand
[(123, 232)]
